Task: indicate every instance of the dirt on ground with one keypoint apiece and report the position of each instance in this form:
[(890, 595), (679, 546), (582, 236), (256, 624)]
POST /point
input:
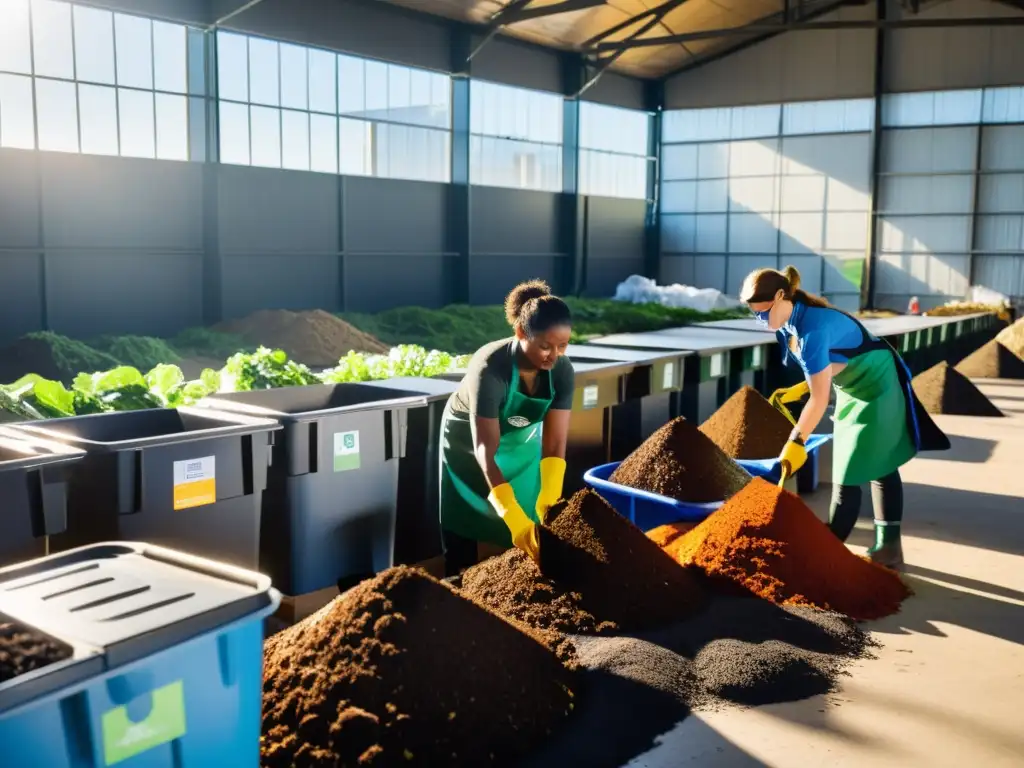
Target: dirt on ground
[(23, 649), (316, 338), (992, 361), (747, 426), (942, 389), (681, 462), (402, 670)]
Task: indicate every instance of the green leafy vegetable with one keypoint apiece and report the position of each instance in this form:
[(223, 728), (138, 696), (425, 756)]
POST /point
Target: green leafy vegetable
[(264, 369)]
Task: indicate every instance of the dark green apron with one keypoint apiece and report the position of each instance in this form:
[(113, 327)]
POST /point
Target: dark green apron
[(464, 489)]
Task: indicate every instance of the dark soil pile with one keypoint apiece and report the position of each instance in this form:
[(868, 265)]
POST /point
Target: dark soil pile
[(747, 426), (942, 389), (992, 361), (316, 338), (23, 649), (402, 670), (598, 573), (51, 356), (681, 462), (767, 541)]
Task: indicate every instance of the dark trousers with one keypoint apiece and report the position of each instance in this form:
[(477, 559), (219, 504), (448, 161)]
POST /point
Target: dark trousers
[(460, 553), (886, 497)]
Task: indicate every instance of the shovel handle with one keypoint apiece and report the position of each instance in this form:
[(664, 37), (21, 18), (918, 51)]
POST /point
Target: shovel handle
[(786, 472)]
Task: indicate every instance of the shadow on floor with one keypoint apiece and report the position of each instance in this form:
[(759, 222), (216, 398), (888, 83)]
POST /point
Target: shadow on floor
[(975, 450), (694, 742)]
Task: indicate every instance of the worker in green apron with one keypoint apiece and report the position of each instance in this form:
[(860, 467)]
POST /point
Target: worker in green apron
[(504, 431), (878, 423)]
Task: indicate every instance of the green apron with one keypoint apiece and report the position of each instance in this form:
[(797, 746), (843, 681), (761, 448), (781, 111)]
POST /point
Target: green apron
[(871, 435), (464, 489)]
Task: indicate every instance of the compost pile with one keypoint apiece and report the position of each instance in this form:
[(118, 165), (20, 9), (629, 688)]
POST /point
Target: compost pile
[(23, 649), (942, 389), (316, 338), (403, 670), (992, 361), (747, 426), (767, 541), (598, 573), (680, 462), (1013, 337), (51, 356)]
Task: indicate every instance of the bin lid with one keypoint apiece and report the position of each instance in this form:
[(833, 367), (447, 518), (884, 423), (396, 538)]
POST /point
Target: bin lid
[(594, 352), (297, 404), (119, 602), (702, 341), (739, 324), (432, 389), (23, 451), (601, 370)]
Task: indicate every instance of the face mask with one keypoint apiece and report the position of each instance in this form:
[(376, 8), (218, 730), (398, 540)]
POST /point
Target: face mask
[(762, 316)]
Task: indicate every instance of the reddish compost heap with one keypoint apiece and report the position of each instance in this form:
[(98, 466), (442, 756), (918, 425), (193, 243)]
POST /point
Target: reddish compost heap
[(681, 462), (942, 389), (747, 426), (767, 541), (598, 573), (402, 670), (23, 649), (992, 361), (316, 338)]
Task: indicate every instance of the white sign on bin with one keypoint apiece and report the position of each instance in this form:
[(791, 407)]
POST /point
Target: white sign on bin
[(668, 377), (755, 358), (590, 397), (716, 364)]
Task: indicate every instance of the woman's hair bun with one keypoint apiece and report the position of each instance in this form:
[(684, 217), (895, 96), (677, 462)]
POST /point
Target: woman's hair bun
[(793, 276), (520, 295)]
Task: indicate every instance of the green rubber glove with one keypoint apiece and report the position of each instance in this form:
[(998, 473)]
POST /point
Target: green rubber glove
[(523, 529), (552, 477)]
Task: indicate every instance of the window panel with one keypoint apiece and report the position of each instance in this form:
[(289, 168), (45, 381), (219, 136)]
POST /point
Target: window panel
[(1003, 193), (294, 77), (170, 57), (17, 126), (1000, 233), (1002, 148), (94, 45), (836, 116), (713, 161), (51, 39), (57, 113), (295, 140), (323, 81), (932, 108), (409, 152), (15, 38), (506, 112), (354, 146), (712, 232), (265, 133), (323, 144), (697, 124), (613, 175), (679, 196), (801, 233), (351, 86), (233, 67), (137, 126), (754, 158), (755, 122), (134, 48), (803, 193), (756, 195), (97, 110), (508, 163), (751, 233), (713, 196), (375, 88), (612, 129), (264, 85), (678, 234), (926, 194), (1003, 105), (234, 133), (171, 127), (679, 161)]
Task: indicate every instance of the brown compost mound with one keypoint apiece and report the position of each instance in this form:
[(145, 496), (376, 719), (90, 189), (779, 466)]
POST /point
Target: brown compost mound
[(402, 670), (992, 361), (767, 541), (1013, 337), (942, 389), (747, 426), (598, 573), (681, 462), (23, 649), (316, 338)]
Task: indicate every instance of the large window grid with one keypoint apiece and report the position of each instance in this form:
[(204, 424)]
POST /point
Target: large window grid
[(515, 137), (301, 108), (80, 79), (614, 151)]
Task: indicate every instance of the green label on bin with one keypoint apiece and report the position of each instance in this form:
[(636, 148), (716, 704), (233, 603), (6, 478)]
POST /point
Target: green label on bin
[(123, 738), (346, 451)]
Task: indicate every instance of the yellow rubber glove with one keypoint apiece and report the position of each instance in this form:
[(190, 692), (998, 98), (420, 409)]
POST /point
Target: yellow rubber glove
[(552, 477), (523, 529), (789, 394), (793, 456)]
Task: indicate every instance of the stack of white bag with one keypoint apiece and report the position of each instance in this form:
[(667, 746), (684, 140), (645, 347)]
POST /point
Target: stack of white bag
[(637, 289)]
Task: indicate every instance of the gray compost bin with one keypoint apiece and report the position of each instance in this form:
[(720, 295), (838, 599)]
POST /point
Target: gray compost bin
[(33, 487), (657, 378), (182, 478), (748, 352), (330, 504), (418, 527)]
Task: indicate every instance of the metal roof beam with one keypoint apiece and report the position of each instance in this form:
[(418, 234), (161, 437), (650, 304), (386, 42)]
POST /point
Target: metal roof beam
[(658, 11), (566, 6)]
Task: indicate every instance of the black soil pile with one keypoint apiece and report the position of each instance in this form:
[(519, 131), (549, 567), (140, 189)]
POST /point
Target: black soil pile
[(681, 462), (747, 426), (740, 651), (598, 573), (402, 670), (942, 389), (23, 649), (992, 361)]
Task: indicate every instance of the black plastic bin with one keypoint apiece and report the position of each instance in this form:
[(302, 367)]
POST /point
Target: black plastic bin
[(33, 490), (649, 389), (418, 528), (329, 508), (186, 479)]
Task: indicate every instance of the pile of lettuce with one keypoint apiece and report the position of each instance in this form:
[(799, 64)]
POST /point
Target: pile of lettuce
[(127, 389)]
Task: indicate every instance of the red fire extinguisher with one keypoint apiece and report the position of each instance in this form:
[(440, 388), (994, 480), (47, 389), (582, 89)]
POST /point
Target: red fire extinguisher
[(915, 306)]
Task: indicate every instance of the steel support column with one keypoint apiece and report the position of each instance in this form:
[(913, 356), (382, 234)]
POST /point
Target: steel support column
[(654, 101), (458, 271), (572, 208), (868, 276), (204, 147)]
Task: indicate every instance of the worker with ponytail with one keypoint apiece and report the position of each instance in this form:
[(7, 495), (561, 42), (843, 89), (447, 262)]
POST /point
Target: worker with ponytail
[(879, 425), (504, 431)]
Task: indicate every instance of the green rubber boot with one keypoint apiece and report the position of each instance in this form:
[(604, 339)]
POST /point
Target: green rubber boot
[(888, 549)]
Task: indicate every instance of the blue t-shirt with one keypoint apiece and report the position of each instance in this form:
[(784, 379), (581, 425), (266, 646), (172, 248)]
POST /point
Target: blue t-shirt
[(820, 331)]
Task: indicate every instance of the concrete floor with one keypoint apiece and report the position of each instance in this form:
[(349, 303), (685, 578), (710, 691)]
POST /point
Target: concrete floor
[(947, 687)]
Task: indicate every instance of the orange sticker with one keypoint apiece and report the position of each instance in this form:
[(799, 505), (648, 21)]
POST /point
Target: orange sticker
[(195, 482)]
